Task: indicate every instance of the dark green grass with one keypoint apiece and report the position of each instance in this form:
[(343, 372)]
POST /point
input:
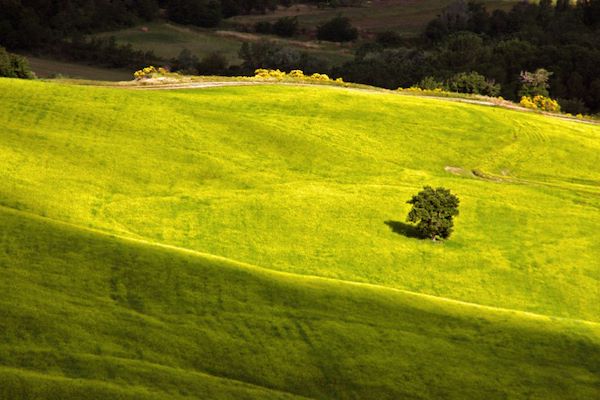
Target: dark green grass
[(86, 315)]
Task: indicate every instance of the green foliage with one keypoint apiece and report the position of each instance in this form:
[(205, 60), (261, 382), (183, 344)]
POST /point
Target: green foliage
[(286, 26), (573, 106), (535, 83), (212, 64), (103, 51), (499, 45), (264, 27), (337, 29), (270, 55), (186, 62), (430, 83), (389, 39), (433, 211), (14, 66), (205, 13), (472, 82)]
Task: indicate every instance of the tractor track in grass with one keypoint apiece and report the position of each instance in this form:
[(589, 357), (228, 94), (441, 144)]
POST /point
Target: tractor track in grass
[(423, 296)]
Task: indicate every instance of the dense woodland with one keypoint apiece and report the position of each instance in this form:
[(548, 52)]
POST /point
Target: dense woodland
[(563, 38)]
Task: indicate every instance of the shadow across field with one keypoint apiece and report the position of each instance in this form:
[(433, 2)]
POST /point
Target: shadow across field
[(404, 229)]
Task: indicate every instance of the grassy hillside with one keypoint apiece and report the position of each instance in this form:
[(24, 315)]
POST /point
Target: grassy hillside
[(116, 204), (86, 315), (315, 181)]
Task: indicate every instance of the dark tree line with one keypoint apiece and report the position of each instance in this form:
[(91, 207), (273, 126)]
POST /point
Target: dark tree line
[(563, 38), (57, 26), (14, 66), (27, 24), (466, 46)]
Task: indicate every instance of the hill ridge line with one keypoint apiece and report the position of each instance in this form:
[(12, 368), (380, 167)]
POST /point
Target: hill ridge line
[(367, 89), (241, 264)]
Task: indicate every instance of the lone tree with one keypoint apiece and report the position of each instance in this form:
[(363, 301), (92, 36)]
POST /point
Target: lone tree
[(433, 210)]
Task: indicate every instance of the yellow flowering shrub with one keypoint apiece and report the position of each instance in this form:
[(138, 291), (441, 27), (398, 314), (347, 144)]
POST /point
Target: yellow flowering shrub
[(296, 75), (320, 77), (527, 102), (145, 72), (417, 89), (540, 103), (151, 72), (269, 73)]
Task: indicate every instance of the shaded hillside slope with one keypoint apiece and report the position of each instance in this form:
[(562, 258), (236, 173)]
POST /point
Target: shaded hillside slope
[(87, 315)]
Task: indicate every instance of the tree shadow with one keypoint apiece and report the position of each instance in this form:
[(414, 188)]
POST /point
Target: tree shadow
[(410, 231)]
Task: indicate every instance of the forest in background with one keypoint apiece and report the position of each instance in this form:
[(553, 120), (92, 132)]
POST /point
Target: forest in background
[(561, 37)]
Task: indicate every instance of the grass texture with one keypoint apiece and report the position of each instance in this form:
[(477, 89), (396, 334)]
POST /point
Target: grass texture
[(86, 315), (113, 199), (307, 180)]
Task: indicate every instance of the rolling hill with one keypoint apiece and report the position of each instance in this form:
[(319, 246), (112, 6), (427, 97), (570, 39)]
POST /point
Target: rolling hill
[(248, 243)]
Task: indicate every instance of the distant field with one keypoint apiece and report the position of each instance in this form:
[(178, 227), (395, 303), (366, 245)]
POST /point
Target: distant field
[(45, 68), (167, 40), (405, 16)]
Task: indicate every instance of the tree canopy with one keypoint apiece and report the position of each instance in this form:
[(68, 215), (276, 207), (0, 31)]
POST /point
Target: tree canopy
[(433, 211)]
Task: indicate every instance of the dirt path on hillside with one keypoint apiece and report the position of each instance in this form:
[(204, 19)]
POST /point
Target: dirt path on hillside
[(192, 85)]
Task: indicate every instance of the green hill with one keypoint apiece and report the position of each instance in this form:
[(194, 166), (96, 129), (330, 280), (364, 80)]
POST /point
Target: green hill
[(116, 206)]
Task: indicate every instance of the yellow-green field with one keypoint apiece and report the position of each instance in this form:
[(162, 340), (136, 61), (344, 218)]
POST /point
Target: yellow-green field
[(249, 243)]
